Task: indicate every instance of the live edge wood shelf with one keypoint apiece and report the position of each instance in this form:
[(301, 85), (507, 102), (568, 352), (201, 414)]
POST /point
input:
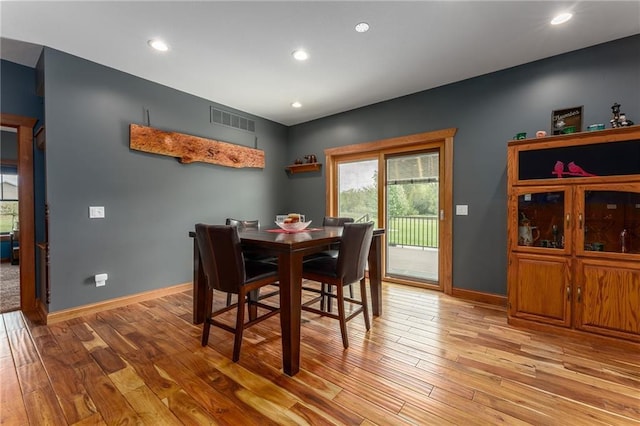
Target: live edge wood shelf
[(303, 168)]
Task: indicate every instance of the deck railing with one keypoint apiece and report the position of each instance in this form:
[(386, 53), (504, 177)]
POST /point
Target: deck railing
[(413, 231)]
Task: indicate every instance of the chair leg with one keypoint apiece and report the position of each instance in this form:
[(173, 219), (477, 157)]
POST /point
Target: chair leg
[(365, 303), (237, 343), (323, 296), (342, 316), (351, 290), (228, 299), (208, 306)]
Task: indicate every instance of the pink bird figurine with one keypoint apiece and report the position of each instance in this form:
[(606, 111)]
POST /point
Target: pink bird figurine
[(558, 169), (575, 170)]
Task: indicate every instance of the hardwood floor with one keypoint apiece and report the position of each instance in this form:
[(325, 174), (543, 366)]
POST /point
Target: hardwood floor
[(429, 359)]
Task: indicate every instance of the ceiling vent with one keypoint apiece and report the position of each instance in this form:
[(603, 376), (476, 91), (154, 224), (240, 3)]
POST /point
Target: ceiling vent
[(236, 121)]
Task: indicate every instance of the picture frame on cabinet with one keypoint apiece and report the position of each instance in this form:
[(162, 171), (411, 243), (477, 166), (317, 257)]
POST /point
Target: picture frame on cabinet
[(567, 120)]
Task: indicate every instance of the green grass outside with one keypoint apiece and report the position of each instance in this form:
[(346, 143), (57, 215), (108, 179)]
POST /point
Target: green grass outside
[(6, 223)]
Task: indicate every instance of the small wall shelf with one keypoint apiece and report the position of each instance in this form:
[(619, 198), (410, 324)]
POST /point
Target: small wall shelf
[(303, 168)]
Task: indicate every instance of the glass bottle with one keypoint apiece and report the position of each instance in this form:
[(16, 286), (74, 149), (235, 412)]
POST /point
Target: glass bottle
[(624, 241)]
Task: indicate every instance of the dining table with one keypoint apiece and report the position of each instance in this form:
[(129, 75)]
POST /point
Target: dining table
[(290, 249)]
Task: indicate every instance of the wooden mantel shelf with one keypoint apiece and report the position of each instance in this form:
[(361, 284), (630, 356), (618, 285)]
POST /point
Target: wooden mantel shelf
[(303, 168)]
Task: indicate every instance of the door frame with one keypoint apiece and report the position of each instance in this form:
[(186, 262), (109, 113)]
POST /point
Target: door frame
[(402, 143), (26, 215)]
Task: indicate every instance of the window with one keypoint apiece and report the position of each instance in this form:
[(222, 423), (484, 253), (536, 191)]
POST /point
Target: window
[(8, 200)]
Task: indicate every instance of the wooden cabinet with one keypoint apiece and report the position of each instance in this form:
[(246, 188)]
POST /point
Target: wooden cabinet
[(574, 233)]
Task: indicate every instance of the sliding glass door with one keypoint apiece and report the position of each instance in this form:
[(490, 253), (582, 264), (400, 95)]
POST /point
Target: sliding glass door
[(404, 185)]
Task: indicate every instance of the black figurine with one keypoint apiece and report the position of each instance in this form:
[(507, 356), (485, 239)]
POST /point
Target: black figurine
[(615, 110), (619, 118)]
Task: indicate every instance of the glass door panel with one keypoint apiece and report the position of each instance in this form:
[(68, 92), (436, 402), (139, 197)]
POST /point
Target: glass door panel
[(358, 190), (412, 206), (543, 219), (611, 221)]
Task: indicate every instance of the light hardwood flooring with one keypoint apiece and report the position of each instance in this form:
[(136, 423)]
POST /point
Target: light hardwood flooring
[(429, 360)]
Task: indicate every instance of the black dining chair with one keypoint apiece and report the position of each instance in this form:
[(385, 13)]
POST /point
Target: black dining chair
[(339, 272), (226, 270), (248, 254), (332, 251)]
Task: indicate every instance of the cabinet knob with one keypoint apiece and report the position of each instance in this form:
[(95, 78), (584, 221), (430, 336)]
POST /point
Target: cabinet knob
[(579, 294), (569, 293), (568, 220), (580, 221)]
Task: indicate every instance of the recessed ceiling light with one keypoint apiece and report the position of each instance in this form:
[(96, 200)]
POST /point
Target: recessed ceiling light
[(362, 27), (158, 45), (296, 104), (561, 18), (300, 55)]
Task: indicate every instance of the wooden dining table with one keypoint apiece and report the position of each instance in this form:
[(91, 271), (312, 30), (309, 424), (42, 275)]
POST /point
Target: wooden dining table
[(290, 248)]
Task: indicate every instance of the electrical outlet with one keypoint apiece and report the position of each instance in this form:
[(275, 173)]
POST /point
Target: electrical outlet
[(96, 212)]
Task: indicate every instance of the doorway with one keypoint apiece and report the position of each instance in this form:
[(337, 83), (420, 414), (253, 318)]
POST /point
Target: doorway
[(26, 240), (403, 185)]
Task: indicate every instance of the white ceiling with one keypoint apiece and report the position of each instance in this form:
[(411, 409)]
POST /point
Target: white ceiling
[(239, 53)]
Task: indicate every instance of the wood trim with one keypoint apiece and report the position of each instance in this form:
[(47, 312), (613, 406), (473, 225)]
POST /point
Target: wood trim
[(26, 203), (446, 225), (67, 314), (401, 141), (477, 296)]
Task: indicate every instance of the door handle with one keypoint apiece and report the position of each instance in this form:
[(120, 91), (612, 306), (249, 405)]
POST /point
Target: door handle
[(568, 219), (580, 221), (569, 293), (579, 294)]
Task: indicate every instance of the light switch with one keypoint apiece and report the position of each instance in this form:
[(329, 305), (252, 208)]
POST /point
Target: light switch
[(96, 212), (462, 210)]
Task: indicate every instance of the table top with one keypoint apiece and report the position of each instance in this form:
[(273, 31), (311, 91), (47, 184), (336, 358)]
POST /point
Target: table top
[(266, 238)]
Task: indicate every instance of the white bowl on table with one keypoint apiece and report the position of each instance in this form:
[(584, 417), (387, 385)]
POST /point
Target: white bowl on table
[(294, 226)]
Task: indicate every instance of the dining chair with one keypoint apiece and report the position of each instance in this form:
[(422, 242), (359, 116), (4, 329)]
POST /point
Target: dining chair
[(251, 255), (332, 251), (339, 272), (226, 270)]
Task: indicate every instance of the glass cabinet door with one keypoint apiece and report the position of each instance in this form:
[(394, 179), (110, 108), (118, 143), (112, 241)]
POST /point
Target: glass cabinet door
[(608, 218), (543, 219)]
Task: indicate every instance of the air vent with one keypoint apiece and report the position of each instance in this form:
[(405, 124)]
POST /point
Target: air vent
[(227, 118)]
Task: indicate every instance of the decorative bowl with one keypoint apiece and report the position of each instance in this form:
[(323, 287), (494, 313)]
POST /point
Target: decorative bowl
[(295, 226)]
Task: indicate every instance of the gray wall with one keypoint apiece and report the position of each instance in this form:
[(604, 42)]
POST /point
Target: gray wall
[(151, 201), (8, 146), (487, 111)]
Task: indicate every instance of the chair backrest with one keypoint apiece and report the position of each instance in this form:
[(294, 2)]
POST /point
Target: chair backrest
[(354, 250), (221, 256), (252, 224), (336, 221)]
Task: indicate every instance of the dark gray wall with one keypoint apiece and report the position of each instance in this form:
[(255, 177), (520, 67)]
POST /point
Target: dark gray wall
[(487, 111), (151, 201), (8, 146)]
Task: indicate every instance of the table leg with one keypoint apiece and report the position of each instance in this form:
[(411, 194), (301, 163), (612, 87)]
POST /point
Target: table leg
[(290, 272), (375, 275), (199, 287)]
